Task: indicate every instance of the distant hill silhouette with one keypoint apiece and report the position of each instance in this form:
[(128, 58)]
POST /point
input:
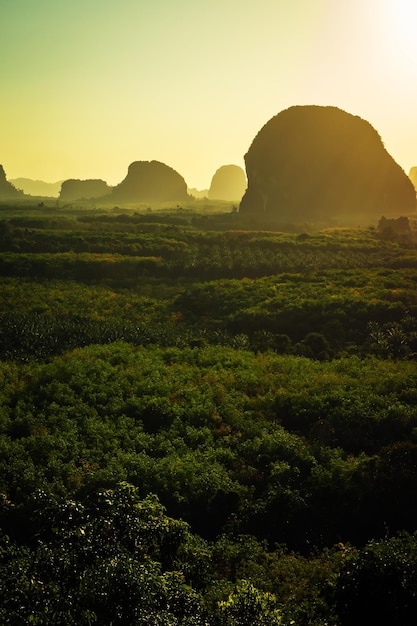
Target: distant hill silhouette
[(228, 183), (314, 162), (150, 181), (73, 189), (198, 193), (413, 176), (37, 187), (7, 190)]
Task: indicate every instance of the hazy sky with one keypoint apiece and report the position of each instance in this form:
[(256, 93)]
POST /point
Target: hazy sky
[(88, 86)]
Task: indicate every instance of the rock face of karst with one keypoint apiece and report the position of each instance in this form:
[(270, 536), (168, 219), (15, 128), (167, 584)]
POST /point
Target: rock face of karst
[(7, 190), (151, 181), (314, 162), (74, 189), (228, 183), (412, 175)]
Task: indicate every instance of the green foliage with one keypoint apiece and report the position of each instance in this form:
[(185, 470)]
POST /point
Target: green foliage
[(261, 443), (264, 290), (247, 606), (377, 584), (113, 559), (219, 426)]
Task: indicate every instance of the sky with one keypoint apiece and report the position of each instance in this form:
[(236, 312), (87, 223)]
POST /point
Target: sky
[(88, 86)]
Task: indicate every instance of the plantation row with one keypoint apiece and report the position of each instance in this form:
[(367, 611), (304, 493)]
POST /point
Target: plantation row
[(171, 252), (321, 315)]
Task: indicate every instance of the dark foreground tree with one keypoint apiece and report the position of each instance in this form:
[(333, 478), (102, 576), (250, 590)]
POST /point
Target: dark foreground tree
[(114, 559), (378, 584)]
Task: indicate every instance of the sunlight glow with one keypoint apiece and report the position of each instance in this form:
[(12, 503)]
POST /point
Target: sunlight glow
[(401, 29)]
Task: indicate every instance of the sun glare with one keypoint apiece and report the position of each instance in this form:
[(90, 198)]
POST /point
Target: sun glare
[(394, 46), (401, 23)]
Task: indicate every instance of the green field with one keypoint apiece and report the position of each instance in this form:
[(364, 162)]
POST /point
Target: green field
[(205, 424)]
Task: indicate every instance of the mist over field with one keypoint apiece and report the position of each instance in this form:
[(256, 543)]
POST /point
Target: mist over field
[(312, 165)]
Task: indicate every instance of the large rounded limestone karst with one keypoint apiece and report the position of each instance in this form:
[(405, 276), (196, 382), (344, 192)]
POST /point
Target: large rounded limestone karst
[(320, 162), (151, 181), (228, 183), (7, 190)]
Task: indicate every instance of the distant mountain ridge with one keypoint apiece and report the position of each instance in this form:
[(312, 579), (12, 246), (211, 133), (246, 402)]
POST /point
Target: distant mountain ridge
[(145, 181), (37, 187), (306, 162), (198, 193)]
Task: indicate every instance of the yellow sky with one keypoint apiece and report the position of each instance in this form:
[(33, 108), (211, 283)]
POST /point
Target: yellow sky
[(89, 86)]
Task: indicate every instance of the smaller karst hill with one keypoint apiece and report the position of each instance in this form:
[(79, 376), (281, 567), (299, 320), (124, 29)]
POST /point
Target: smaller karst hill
[(316, 162), (7, 190), (73, 189), (150, 181), (228, 183)]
